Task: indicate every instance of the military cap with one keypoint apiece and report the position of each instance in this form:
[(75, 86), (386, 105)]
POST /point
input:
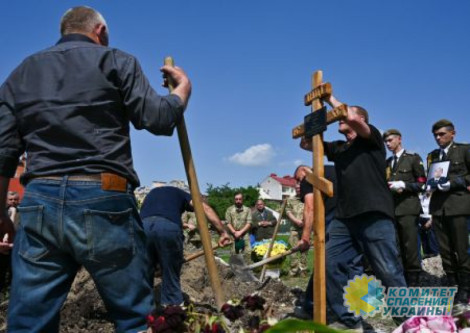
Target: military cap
[(442, 123), (391, 131)]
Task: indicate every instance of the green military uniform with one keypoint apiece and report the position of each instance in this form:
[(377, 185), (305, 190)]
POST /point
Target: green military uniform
[(191, 236), (409, 169), (298, 261), (450, 211), (239, 218), (259, 231)]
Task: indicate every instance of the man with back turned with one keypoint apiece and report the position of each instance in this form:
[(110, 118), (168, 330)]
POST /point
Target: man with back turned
[(69, 108)]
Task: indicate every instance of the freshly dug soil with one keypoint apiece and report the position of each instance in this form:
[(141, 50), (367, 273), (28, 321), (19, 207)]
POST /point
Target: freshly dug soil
[(84, 310)]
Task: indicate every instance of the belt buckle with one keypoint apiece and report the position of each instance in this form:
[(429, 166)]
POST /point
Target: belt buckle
[(112, 182)]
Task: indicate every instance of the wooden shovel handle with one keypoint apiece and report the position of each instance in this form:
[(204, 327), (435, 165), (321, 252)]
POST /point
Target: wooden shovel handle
[(198, 254)]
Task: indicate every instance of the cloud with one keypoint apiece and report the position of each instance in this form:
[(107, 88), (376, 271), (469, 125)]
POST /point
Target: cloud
[(256, 155)]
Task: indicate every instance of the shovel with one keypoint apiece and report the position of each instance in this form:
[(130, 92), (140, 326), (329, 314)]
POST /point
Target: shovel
[(243, 271), (237, 265), (201, 253)]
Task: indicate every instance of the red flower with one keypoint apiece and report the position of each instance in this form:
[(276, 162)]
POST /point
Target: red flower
[(253, 302), (175, 316), (150, 320), (160, 326), (232, 312), (214, 328)]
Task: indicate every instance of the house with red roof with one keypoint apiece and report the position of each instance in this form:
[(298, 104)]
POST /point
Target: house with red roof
[(274, 187)]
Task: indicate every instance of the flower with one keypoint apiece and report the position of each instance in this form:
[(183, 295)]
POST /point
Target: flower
[(261, 248), (160, 325), (169, 320), (427, 324), (253, 302), (232, 312), (214, 328), (175, 316)]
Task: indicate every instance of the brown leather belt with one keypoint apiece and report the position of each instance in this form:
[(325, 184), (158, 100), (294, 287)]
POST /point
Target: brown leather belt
[(109, 181)]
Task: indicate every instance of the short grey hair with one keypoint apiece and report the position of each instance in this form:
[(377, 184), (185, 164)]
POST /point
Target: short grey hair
[(80, 19)]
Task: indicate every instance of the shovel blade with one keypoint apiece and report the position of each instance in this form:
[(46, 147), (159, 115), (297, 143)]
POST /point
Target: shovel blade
[(239, 268)]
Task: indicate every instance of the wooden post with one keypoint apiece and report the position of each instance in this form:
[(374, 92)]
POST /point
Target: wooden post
[(319, 282), (197, 203), (320, 186)]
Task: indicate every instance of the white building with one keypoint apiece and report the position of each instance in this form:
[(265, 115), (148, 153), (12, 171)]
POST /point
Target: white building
[(277, 188)]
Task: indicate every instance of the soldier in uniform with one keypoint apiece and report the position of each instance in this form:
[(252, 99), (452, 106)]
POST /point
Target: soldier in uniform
[(238, 219), (450, 208), (295, 212), (406, 179), (191, 233)]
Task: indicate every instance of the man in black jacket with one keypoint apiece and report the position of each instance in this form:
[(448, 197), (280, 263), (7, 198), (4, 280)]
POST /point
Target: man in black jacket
[(69, 108)]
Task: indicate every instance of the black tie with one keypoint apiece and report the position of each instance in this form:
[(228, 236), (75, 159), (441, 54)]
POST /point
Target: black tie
[(395, 163), (444, 155)]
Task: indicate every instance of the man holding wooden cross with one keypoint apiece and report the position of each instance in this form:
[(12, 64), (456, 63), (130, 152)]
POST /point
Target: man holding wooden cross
[(363, 222)]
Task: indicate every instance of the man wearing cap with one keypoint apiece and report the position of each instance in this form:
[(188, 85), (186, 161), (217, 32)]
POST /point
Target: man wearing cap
[(450, 208), (406, 178)]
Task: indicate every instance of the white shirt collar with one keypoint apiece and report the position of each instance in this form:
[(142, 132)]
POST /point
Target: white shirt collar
[(400, 153), (446, 149)]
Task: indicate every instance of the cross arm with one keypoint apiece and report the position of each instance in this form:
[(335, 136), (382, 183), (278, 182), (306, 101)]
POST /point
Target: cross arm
[(318, 92), (338, 113), (321, 183)]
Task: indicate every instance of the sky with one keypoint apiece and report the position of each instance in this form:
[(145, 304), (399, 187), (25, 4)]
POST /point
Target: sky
[(251, 62)]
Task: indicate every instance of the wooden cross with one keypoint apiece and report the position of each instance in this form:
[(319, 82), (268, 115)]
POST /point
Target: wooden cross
[(320, 185)]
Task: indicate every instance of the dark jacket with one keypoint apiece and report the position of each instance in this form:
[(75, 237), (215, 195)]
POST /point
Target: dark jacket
[(69, 108), (457, 200), (410, 170), (263, 232)]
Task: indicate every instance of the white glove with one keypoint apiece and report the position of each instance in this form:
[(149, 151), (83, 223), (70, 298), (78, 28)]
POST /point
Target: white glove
[(444, 187), (397, 185)]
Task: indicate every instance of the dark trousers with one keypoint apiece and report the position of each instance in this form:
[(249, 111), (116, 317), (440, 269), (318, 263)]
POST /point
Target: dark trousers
[(427, 240), (165, 247), (349, 239), (452, 235), (5, 271), (407, 230)]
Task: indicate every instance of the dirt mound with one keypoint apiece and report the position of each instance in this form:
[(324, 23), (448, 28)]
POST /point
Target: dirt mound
[(84, 310)]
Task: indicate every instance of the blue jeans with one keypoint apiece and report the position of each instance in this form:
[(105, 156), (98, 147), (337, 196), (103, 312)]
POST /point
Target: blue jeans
[(370, 234), (165, 247), (354, 269), (68, 224)]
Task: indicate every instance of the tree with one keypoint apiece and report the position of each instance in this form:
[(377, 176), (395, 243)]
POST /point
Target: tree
[(222, 197)]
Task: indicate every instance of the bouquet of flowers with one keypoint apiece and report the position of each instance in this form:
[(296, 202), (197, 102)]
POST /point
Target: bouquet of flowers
[(260, 250)]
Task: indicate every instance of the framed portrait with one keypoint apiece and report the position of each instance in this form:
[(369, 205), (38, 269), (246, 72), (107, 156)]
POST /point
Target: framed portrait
[(437, 174)]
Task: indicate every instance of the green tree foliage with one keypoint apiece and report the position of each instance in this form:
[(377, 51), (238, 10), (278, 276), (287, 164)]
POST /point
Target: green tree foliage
[(222, 197)]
